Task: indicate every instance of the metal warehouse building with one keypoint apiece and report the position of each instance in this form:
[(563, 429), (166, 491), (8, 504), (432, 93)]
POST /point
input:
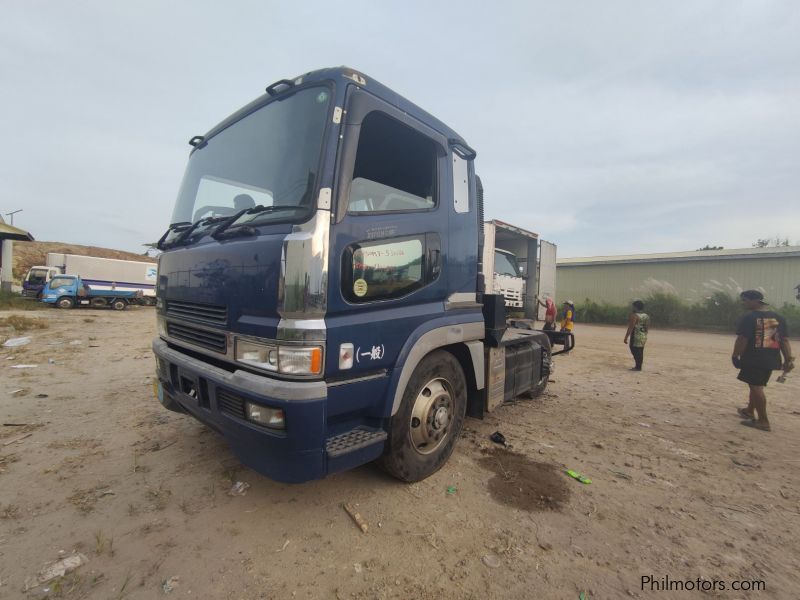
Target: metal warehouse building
[(692, 276)]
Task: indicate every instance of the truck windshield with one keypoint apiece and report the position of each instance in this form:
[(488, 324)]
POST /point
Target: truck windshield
[(37, 276), (57, 282), (270, 158), (505, 264)]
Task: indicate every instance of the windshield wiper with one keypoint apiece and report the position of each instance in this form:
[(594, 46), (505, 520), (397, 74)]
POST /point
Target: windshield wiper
[(186, 235), (178, 227), (246, 228)]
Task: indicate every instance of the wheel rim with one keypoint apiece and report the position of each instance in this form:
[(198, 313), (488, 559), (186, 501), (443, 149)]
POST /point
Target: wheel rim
[(431, 416)]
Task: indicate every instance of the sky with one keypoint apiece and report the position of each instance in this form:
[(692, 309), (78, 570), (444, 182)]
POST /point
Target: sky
[(607, 127)]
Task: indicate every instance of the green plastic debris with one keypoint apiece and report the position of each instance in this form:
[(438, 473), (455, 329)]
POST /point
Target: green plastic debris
[(583, 596), (451, 489), (578, 476)]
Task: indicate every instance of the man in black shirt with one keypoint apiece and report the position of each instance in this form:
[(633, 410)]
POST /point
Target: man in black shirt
[(761, 338)]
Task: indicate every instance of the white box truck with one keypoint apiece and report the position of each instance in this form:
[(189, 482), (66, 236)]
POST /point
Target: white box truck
[(98, 273), (522, 266)]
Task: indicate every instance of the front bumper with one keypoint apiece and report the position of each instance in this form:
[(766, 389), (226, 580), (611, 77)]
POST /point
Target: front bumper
[(216, 397)]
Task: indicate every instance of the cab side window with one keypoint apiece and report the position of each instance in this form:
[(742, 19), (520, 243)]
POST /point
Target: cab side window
[(395, 168), (390, 268)]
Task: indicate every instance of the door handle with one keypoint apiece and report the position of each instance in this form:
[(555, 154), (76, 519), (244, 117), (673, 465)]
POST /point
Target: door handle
[(435, 258)]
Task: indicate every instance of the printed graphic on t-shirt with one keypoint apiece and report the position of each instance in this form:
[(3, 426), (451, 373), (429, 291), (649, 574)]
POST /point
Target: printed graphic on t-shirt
[(767, 335)]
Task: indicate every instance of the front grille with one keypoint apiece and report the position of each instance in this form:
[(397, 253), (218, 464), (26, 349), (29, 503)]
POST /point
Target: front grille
[(193, 311), (199, 337), (229, 403)]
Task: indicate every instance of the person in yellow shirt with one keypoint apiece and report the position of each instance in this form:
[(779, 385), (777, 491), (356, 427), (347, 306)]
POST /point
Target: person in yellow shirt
[(568, 317)]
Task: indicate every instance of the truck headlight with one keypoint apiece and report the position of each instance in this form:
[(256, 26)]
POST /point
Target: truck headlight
[(291, 360), (300, 361), (257, 355)]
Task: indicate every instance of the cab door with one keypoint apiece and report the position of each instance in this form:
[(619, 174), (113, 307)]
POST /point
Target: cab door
[(388, 260)]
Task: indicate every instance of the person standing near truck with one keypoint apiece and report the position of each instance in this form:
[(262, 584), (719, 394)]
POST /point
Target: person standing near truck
[(638, 324), (549, 312), (761, 338), (568, 318)]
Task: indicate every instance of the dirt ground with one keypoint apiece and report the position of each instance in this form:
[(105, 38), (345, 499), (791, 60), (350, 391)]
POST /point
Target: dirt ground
[(679, 488)]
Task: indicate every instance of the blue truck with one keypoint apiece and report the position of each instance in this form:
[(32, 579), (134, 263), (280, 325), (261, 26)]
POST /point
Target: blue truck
[(320, 296), (69, 291)]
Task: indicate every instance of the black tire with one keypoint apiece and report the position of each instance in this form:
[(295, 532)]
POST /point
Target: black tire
[(413, 452), (119, 304), (540, 387), (65, 302)]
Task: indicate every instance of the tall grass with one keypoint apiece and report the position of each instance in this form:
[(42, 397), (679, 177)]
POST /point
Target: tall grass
[(720, 312), (13, 301)]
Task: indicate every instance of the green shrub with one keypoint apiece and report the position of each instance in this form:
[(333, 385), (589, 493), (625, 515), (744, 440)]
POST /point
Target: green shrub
[(593, 312), (666, 309), (720, 312), (792, 315)]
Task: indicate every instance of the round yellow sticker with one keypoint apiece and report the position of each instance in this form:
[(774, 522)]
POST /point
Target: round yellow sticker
[(360, 288)]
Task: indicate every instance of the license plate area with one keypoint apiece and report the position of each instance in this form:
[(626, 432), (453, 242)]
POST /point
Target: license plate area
[(193, 389)]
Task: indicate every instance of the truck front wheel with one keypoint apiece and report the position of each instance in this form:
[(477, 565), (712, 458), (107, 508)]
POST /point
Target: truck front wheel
[(424, 431), (65, 302)]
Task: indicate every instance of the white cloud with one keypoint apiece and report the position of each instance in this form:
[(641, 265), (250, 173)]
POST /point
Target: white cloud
[(619, 126)]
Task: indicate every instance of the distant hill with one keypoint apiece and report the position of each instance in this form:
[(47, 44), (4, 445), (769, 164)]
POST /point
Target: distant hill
[(27, 254)]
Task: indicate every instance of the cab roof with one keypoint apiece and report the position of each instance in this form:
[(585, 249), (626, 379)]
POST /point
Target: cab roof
[(342, 76)]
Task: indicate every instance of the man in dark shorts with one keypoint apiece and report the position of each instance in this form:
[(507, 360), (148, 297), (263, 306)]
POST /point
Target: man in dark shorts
[(761, 338)]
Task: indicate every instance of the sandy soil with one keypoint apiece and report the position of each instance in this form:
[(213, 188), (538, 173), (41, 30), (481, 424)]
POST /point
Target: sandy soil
[(679, 488)]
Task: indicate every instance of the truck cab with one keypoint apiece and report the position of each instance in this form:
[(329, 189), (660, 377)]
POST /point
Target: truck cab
[(508, 279), (36, 278), (319, 296)]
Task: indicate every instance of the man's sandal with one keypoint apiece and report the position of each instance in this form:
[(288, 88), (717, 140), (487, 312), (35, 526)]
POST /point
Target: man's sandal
[(745, 414), (756, 425)]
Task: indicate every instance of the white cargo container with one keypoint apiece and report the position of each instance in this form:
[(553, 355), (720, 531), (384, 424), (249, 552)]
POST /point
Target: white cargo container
[(521, 266)]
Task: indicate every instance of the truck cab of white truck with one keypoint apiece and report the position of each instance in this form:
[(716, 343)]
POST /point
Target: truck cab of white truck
[(508, 280), (37, 277)]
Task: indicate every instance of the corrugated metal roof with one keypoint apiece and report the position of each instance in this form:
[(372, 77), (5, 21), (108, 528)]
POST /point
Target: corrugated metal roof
[(733, 253)]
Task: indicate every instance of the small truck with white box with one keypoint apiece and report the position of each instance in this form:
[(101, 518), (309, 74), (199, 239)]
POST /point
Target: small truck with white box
[(70, 291), (100, 273)]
